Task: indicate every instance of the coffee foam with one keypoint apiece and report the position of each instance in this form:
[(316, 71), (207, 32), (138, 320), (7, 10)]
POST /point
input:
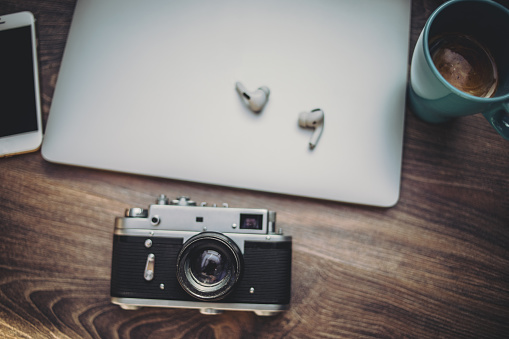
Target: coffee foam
[(465, 63)]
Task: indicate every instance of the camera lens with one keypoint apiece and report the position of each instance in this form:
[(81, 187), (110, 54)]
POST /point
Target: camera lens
[(209, 266)]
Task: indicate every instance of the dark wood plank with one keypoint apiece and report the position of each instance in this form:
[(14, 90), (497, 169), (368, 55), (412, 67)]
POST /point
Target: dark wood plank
[(435, 265)]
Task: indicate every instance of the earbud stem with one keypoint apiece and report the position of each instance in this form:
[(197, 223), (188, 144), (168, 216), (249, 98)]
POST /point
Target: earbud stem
[(316, 136)]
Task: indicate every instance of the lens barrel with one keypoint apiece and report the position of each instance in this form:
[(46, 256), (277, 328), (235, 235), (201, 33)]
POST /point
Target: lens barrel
[(209, 266)]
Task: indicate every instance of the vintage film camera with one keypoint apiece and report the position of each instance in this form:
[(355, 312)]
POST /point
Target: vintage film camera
[(177, 254)]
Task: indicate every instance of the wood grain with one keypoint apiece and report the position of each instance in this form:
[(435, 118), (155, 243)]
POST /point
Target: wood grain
[(434, 266)]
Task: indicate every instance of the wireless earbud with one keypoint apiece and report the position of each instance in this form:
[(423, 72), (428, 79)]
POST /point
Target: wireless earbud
[(313, 119), (256, 100)]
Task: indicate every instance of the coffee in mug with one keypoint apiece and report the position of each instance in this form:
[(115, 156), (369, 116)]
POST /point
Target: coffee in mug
[(460, 65), (465, 63)]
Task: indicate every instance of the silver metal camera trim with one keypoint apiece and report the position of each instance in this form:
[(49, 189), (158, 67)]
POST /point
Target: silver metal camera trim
[(185, 218), (204, 307), (238, 238)]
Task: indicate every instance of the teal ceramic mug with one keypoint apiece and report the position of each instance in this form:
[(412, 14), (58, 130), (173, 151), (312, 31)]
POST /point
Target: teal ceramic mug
[(460, 64)]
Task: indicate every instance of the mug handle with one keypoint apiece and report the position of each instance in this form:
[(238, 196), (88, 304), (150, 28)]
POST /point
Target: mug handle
[(499, 119)]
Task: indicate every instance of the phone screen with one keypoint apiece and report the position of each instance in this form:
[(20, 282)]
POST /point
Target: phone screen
[(18, 111)]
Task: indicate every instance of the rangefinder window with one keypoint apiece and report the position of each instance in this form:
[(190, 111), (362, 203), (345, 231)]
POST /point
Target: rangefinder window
[(251, 221)]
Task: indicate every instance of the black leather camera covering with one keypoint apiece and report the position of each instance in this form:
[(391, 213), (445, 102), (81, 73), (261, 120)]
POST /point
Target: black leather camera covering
[(267, 269)]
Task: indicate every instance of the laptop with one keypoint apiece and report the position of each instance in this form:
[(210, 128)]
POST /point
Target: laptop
[(148, 87)]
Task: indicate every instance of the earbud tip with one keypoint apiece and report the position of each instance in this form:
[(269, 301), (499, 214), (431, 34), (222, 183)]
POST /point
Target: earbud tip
[(265, 90)]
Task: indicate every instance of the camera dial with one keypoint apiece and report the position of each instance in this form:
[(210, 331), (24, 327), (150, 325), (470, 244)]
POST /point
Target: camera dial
[(209, 266), (183, 201)]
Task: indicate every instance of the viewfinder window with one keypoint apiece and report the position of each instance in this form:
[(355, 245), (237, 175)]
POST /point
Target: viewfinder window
[(251, 221)]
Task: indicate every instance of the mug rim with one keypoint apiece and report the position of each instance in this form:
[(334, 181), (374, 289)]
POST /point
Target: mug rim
[(431, 64)]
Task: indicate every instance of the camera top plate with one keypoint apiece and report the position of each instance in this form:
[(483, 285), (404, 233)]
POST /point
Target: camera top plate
[(183, 215)]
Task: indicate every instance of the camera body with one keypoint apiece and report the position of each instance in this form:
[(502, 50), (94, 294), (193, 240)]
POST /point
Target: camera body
[(177, 254)]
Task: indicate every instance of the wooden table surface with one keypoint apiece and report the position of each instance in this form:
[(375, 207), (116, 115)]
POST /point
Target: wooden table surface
[(435, 265)]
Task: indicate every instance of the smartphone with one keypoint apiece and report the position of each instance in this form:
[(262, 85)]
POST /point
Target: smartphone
[(20, 107)]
